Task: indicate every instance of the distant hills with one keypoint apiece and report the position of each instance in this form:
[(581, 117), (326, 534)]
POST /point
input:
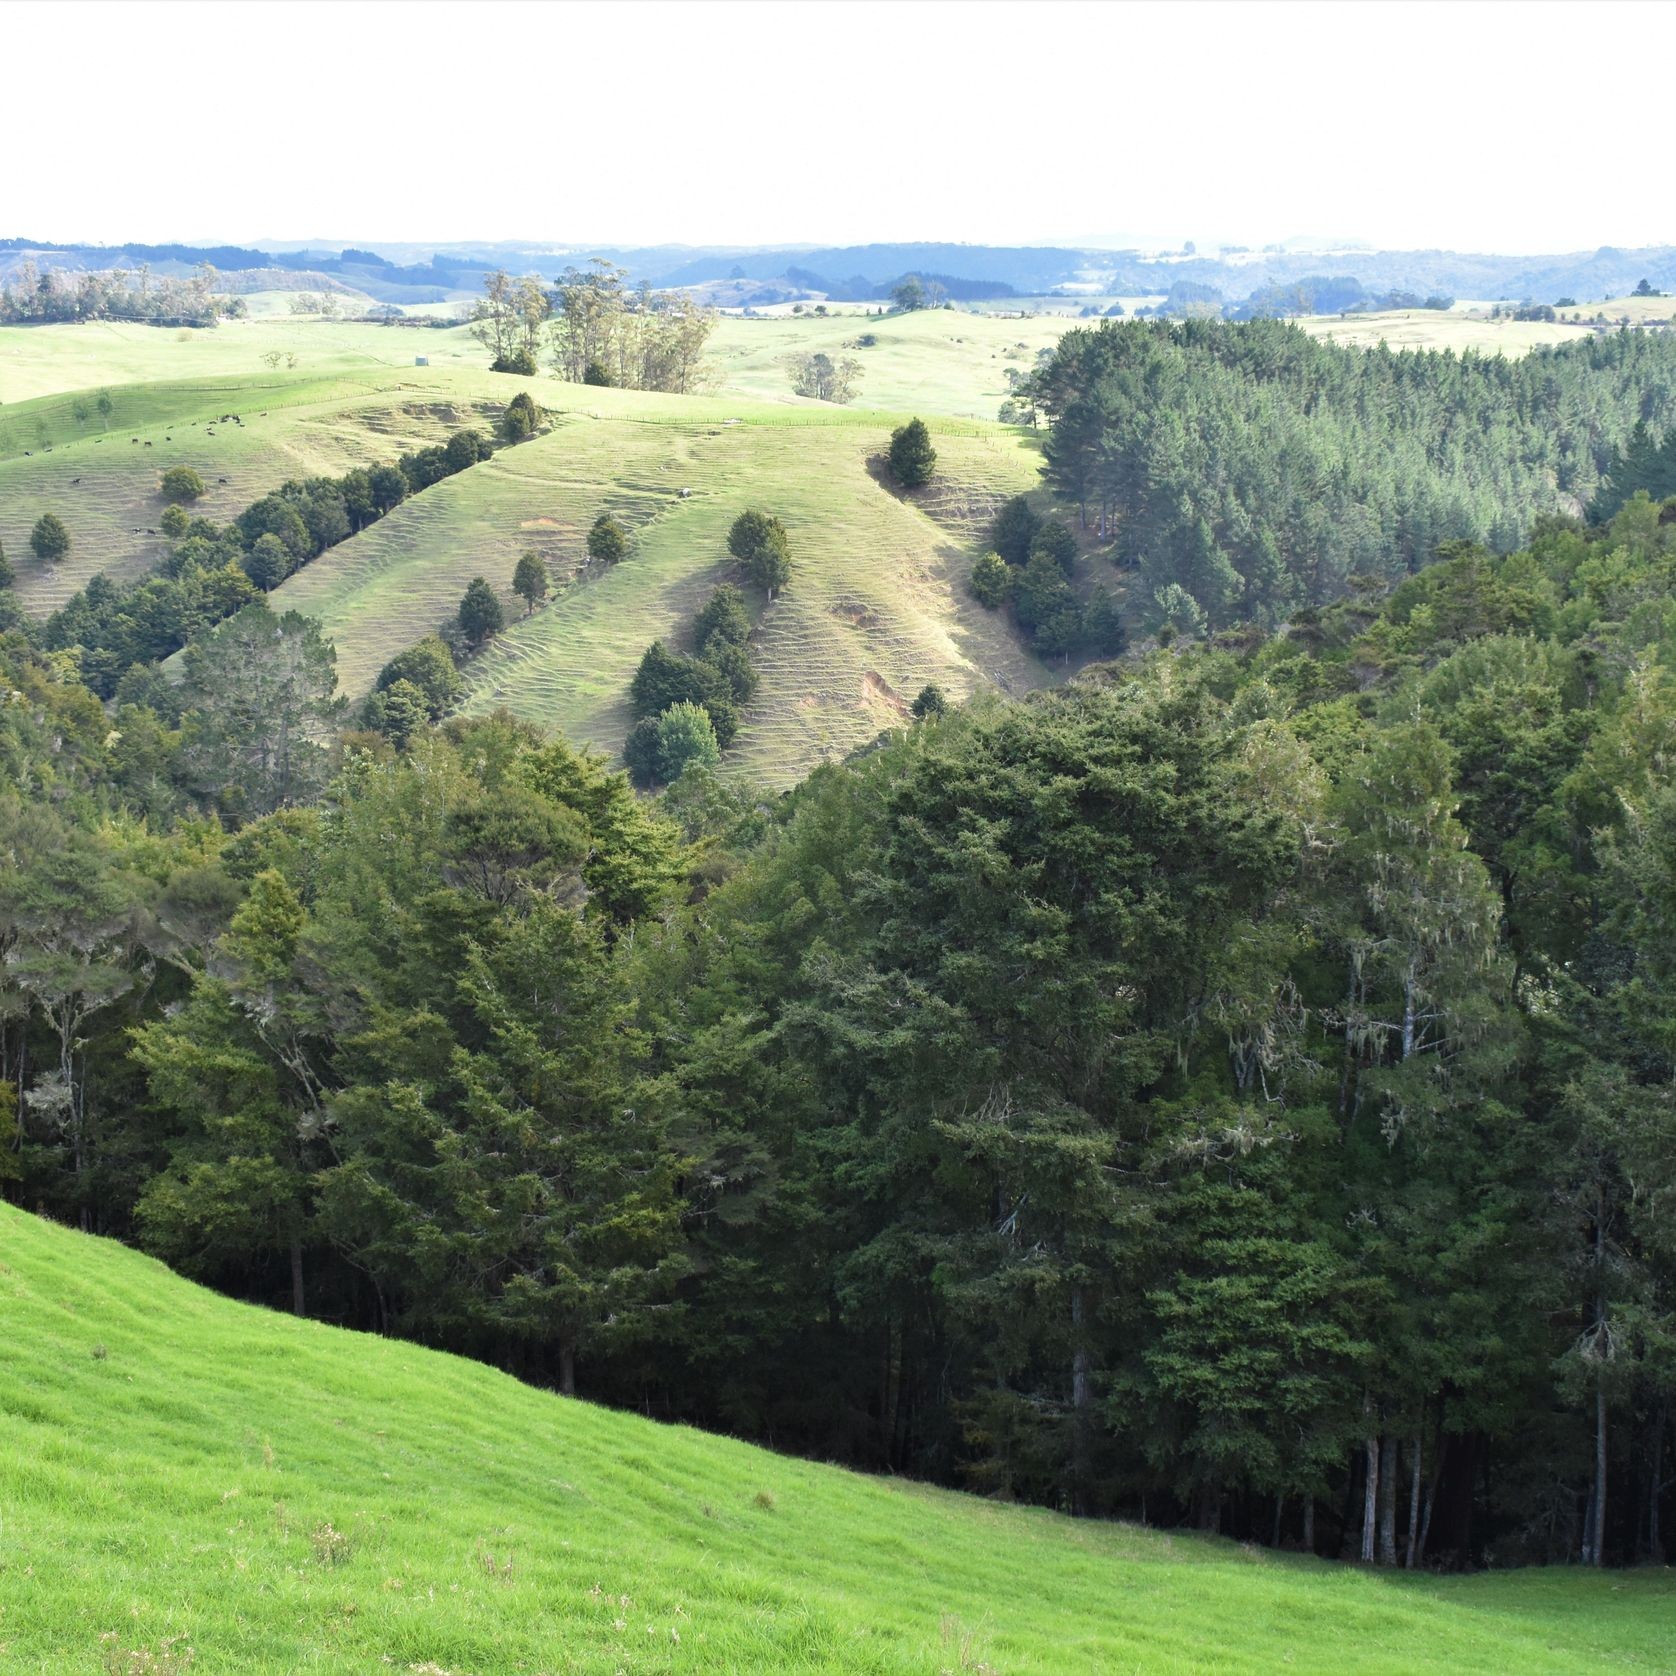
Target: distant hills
[(432, 273)]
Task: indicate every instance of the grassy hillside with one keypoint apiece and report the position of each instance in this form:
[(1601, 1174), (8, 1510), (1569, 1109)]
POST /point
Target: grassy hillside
[(934, 361), (877, 605), (100, 475), (184, 1472), (877, 608), (1426, 328)]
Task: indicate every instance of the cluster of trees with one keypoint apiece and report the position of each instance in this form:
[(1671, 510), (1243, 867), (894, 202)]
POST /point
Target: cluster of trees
[(1644, 463), (416, 687), (604, 332), (824, 378), (214, 570), (1232, 1088), (1031, 564), (687, 705), (59, 296), (510, 319), (1330, 294), (1260, 471), (599, 328)]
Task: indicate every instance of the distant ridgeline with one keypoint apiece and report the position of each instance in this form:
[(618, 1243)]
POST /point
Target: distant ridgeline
[(1262, 471)]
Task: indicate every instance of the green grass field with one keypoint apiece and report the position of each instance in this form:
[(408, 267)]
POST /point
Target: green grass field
[(180, 1471), (1424, 328), (935, 361)]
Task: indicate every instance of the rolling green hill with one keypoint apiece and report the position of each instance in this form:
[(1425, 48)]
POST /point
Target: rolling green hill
[(877, 607), (184, 1472)]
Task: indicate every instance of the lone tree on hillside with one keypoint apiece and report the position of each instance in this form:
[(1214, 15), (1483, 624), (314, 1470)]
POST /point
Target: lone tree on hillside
[(758, 541), (908, 293), (607, 540), (912, 458), (175, 522), (49, 539), (931, 703), (529, 581), (521, 417), (481, 616), (181, 484)]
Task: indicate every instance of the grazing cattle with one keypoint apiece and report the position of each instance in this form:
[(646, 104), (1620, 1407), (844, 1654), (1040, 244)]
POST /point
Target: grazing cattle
[(27, 455), (148, 445), (151, 532), (221, 480), (74, 481)]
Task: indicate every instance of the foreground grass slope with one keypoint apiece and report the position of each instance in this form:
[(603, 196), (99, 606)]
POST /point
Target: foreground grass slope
[(284, 1496)]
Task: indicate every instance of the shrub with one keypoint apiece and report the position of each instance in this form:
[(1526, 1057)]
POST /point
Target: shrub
[(1102, 625), (398, 712), (521, 418), (660, 747), (480, 615), (1014, 529), (1055, 540), (930, 704), (268, 563), (665, 678), (595, 373), (991, 580), (529, 580), (49, 539), (515, 360), (180, 484), (758, 541), (607, 540), (463, 449), (429, 666), (723, 622), (175, 522), (912, 458)]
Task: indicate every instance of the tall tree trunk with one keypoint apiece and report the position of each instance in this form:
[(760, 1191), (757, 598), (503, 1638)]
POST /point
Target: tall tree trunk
[(297, 1301), (1309, 1524), (1655, 1487), (1597, 1501), (1412, 1553), (1370, 1496), (1079, 1405), (567, 1367), (1387, 1501), (1596, 1528)]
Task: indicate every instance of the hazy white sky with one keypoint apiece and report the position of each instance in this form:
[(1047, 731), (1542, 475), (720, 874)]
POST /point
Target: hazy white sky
[(1528, 125)]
